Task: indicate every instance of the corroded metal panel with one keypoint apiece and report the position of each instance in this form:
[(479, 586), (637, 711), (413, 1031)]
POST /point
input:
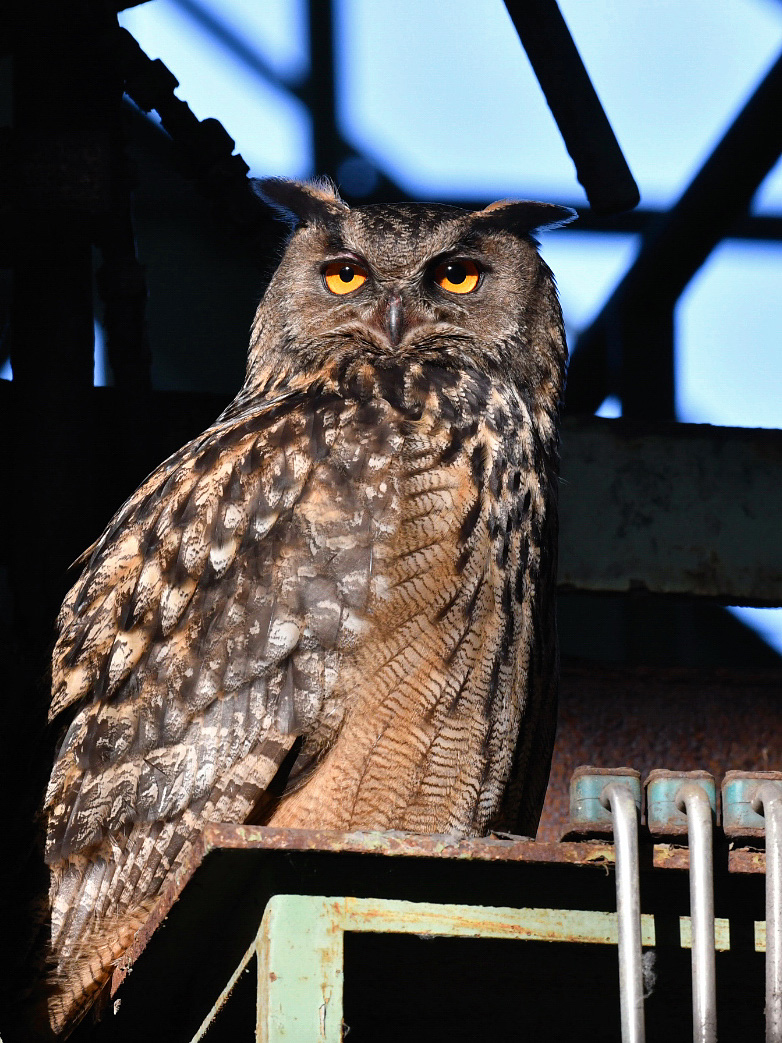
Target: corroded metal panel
[(438, 887), (671, 509), (222, 837)]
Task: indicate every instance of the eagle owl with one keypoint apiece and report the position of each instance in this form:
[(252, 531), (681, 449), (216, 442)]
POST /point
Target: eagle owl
[(345, 585)]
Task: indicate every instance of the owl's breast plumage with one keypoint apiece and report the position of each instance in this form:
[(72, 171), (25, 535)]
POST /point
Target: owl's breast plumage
[(431, 698)]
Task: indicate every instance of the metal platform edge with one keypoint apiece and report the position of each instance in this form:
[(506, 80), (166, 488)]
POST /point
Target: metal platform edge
[(588, 853)]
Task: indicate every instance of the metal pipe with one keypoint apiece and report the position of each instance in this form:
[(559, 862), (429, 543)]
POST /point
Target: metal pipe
[(694, 801), (768, 802), (621, 802)]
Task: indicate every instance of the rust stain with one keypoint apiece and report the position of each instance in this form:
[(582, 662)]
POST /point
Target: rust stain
[(670, 856), (407, 845), (747, 860), (221, 1002)]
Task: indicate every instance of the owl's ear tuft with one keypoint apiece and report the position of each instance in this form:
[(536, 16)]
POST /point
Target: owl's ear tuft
[(302, 202), (523, 216)]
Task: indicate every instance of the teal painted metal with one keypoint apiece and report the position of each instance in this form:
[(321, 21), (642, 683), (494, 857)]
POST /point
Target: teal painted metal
[(739, 817), (300, 950), (665, 816), (589, 812)]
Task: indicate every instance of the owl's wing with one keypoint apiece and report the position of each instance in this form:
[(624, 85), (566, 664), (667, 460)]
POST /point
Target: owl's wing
[(207, 632), (209, 624), (525, 793)]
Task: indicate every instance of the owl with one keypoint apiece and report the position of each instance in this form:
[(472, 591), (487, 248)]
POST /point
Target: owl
[(335, 607)]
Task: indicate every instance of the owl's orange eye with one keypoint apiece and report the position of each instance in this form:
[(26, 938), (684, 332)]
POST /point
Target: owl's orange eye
[(344, 276), (457, 276)]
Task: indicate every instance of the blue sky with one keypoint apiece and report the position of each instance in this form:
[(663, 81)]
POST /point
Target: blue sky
[(440, 95)]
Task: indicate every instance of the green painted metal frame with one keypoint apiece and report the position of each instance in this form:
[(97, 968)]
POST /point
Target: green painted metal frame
[(300, 950)]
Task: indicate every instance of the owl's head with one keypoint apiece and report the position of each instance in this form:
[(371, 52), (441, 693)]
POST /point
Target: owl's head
[(420, 282)]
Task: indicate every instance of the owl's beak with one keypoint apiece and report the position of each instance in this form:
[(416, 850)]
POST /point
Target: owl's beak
[(395, 319)]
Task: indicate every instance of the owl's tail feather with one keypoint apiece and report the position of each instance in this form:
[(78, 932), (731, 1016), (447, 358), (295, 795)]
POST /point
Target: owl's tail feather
[(100, 898), (75, 987), (98, 904)]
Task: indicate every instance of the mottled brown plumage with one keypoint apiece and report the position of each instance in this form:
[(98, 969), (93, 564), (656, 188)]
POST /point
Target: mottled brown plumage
[(357, 559)]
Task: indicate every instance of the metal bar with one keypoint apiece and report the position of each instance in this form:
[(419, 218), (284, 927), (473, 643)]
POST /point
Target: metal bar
[(206, 1024), (768, 801), (300, 949), (717, 197), (621, 802), (693, 800), (300, 945), (753, 227), (579, 926), (600, 166), (327, 146)]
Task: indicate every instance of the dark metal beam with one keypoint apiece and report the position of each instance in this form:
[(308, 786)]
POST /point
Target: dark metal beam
[(758, 228), (671, 509), (328, 149), (617, 352), (204, 146), (600, 166)]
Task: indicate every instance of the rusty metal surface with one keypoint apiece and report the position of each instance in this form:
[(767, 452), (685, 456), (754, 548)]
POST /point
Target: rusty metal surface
[(747, 860), (590, 812), (595, 854), (671, 508), (664, 817), (741, 819), (407, 845), (392, 844), (680, 719)]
